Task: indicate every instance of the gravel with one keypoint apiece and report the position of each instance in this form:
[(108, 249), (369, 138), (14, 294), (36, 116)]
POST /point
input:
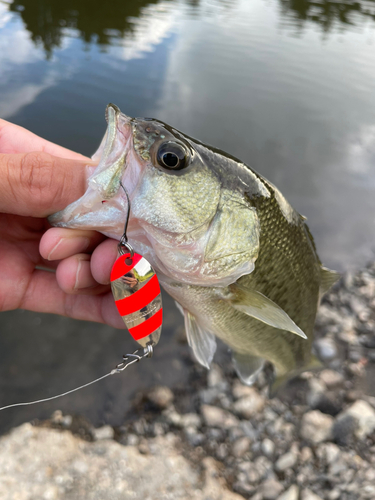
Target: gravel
[(220, 440)]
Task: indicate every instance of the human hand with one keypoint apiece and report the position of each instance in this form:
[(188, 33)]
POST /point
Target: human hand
[(38, 178)]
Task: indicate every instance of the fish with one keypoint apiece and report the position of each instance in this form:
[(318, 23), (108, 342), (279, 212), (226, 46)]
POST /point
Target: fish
[(237, 258)]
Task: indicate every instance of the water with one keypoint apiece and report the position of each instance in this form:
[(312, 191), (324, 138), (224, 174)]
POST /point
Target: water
[(286, 85)]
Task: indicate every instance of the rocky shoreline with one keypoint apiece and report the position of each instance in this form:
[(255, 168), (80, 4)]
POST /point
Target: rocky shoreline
[(219, 440)]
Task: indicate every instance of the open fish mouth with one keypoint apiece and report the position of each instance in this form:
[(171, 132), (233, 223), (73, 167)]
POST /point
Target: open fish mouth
[(104, 192)]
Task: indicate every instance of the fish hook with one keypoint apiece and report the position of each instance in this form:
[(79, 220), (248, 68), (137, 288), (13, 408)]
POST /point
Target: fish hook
[(123, 243)]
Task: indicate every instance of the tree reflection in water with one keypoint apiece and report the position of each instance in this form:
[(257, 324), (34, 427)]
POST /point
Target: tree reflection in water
[(96, 21), (329, 14)]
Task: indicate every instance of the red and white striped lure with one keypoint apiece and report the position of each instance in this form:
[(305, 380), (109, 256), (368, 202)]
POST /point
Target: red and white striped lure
[(136, 291)]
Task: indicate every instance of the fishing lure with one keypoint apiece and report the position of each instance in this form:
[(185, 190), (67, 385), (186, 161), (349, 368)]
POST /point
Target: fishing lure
[(136, 291)]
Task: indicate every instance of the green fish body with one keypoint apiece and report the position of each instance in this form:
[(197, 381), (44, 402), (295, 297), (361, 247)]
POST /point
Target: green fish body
[(227, 246)]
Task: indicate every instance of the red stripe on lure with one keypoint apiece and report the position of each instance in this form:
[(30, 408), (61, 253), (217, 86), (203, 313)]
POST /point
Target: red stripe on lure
[(136, 291)]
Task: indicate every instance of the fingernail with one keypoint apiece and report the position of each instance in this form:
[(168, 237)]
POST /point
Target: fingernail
[(49, 256), (81, 243), (77, 274)]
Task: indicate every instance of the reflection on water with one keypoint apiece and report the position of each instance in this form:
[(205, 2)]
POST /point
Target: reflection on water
[(100, 22), (329, 14), (255, 78)]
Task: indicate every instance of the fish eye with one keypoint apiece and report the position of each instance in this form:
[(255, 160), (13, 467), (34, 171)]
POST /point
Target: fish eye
[(172, 156)]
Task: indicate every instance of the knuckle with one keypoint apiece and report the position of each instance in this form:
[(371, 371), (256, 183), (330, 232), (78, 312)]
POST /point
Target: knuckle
[(36, 176)]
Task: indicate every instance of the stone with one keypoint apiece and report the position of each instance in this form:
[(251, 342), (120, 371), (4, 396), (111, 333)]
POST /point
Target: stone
[(241, 446), (316, 427), (271, 489), (309, 495), (291, 493), (343, 429), (188, 420), (249, 405), (326, 348), (240, 390), (317, 388), (331, 378), (49, 464), (328, 452), (215, 378), (216, 417), (161, 397), (268, 447), (105, 432), (286, 461), (364, 415), (306, 454)]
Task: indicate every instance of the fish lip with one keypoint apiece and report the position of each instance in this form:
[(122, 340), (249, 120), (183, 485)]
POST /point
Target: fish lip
[(116, 144), (116, 112)]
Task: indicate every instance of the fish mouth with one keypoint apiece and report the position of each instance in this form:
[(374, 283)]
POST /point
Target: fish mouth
[(104, 205)]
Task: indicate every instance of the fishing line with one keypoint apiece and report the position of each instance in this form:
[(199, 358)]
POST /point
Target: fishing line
[(128, 359)]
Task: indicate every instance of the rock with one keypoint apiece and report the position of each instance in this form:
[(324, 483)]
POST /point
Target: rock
[(161, 397), (216, 417), (343, 430), (326, 348), (316, 427), (317, 388), (334, 494), (241, 446), (286, 461), (59, 466), (60, 419), (105, 432), (309, 495), (215, 378), (328, 452), (249, 405), (291, 493), (240, 390), (364, 415), (190, 420), (268, 447), (214, 485), (271, 489), (306, 454), (331, 378)]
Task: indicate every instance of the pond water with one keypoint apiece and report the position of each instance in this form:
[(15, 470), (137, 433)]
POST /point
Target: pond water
[(288, 86)]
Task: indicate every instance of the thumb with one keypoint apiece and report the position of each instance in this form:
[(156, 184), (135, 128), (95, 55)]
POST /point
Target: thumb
[(38, 184)]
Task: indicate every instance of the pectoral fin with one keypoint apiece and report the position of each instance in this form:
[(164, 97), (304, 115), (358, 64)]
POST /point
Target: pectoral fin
[(247, 367), (201, 341), (260, 307), (327, 279)]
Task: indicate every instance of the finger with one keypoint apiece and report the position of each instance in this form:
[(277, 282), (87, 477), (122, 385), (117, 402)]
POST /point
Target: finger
[(38, 184), (73, 275), (59, 243), (16, 139), (102, 260), (44, 295)]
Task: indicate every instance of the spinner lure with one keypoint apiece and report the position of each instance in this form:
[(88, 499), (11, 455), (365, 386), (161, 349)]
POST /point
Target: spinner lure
[(136, 290)]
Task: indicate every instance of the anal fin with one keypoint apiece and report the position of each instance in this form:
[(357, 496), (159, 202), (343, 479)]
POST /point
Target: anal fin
[(200, 340), (247, 367)]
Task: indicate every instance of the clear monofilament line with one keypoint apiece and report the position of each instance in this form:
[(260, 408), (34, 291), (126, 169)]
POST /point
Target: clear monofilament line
[(119, 368)]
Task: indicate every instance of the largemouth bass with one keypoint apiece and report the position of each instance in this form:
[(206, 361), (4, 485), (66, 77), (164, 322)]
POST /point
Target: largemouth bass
[(239, 261)]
